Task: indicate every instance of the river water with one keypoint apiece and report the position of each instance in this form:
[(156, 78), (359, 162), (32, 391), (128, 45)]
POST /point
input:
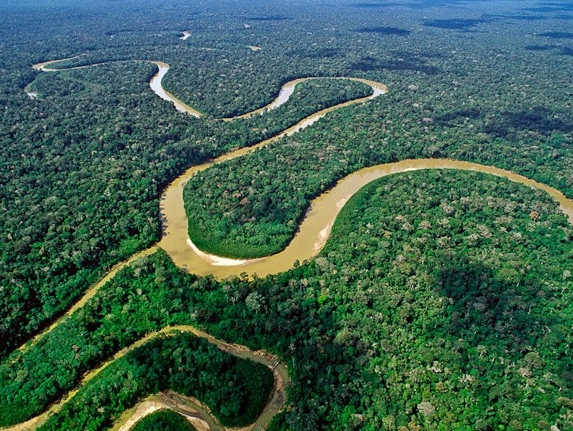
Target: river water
[(315, 229), (310, 239)]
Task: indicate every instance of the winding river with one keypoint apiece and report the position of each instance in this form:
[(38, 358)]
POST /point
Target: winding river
[(274, 404), (315, 228), (310, 239), (157, 87)]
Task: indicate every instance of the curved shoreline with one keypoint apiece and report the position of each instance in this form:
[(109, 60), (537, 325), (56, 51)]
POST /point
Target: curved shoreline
[(315, 229), (155, 82), (156, 85), (274, 404), (44, 65), (174, 219), (313, 232), (280, 372), (330, 202), (285, 92), (180, 247)]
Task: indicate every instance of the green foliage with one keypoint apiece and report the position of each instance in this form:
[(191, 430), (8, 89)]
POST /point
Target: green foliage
[(91, 179), (145, 297), (229, 386), (365, 326), (454, 296), (35, 378), (443, 291), (164, 420), (258, 203)]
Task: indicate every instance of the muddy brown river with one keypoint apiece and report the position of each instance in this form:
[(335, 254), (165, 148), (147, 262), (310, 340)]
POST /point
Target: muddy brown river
[(315, 228), (310, 239)]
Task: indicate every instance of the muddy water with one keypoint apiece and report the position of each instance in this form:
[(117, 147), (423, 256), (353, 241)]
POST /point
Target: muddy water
[(313, 232), (155, 83), (158, 89), (156, 86), (315, 229), (175, 228), (175, 240), (287, 90), (44, 66), (190, 405)]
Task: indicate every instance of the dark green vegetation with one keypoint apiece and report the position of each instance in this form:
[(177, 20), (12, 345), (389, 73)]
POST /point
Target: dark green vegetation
[(210, 232), (83, 166), (309, 97), (234, 389), (449, 309), (164, 420), (89, 161), (32, 380), (81, 181), (253, 208), (479, 337), (145, 297)]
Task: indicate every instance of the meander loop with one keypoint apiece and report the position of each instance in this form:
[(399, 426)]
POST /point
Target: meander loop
[(311, 238)]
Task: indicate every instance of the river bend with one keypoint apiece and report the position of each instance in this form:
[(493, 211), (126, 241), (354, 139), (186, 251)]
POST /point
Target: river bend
[(310, 239)]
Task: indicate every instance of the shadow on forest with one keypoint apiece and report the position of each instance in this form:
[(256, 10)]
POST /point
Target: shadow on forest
[(456, 24), (557, 35), (125, 30), (517, 17), (269, 18), (415, 4), (316, 53), (539, 119), (540, 48), (551, 7), (386, 31), (374, 5), (451, 118), (559, 50), (484, 304), (404, 62)]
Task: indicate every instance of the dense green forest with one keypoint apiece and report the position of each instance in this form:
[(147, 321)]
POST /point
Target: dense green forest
[(480, 337), (75, 238), (235, 390), (442, 301)]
